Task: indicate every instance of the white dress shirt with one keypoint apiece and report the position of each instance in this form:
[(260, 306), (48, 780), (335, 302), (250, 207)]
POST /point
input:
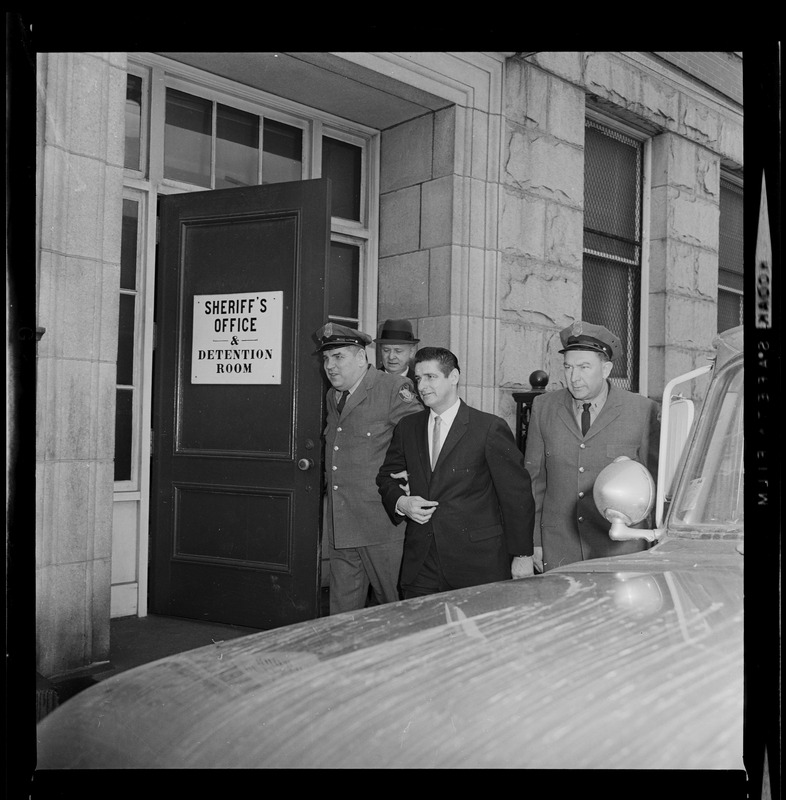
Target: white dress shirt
[(446, 420)]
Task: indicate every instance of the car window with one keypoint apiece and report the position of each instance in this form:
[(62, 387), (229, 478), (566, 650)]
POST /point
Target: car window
[(710, 494)]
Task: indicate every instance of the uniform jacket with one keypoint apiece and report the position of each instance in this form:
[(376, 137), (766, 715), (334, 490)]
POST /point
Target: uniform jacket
[(564, 465), (410, 373), (486, 511), (355, 446)]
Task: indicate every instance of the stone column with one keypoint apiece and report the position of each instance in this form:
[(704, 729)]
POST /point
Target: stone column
[(439, 213), (438, 238), (80, 181), (541, 228), (683, 259)]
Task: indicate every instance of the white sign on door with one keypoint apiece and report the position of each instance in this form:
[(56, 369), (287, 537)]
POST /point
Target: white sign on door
[(237, 338)]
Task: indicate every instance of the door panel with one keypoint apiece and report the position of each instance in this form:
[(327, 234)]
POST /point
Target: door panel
[(235, 522)]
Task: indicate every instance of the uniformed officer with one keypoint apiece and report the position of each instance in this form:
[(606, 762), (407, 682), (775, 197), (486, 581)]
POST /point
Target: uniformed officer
[(363, 407), (573, 434)]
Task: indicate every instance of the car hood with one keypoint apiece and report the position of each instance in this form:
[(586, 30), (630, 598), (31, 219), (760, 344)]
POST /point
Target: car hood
[(632, 662)]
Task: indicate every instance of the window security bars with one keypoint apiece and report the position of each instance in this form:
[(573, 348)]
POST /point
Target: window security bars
[(611, 294)]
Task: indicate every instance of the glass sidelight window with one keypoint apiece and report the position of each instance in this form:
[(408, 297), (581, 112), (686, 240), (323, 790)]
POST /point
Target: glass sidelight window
[(342, 163), (126, 389), (344, 282), (133, 116)]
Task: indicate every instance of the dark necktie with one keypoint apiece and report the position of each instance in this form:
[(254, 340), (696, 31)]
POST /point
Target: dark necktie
[(585, 419), (341, 401)]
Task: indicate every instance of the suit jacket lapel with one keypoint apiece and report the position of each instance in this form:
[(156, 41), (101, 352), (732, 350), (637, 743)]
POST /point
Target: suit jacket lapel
[(421, 436)]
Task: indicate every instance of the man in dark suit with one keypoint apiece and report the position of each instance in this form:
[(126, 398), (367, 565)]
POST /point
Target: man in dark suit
[(573, 434), (468, 505)]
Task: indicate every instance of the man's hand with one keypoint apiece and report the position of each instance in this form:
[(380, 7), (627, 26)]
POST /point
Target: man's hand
[(402, 476), (538, 559), (417, 508), (522, 567)]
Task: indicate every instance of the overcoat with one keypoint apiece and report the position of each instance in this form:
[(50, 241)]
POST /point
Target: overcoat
[(486, 511), (355, 446), (564, 464)]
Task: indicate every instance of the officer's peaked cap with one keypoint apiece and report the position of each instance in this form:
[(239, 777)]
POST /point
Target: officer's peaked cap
[(332, 335), (586, 336)]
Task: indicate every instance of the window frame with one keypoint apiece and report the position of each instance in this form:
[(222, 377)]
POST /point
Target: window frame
[(734, 183), (345, 224), (141, 323), (158, 74), (362, 245), (645, 142), (240, 103), (144, 121)]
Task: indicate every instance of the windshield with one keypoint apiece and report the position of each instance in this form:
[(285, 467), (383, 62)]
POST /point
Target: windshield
[(710, 494)]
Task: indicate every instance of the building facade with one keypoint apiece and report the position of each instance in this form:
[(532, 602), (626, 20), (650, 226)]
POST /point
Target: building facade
[(490, 197)]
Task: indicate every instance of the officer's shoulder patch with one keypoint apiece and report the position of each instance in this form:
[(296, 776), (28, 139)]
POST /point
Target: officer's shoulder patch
[(405, 393)]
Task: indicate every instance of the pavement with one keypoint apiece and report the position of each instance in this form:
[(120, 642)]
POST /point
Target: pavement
[(134, 641)]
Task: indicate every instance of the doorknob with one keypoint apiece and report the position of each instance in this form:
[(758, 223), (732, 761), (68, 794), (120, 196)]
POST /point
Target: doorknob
[(305, 463)]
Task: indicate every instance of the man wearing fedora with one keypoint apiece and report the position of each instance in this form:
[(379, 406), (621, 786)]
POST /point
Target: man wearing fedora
[(573, 434), (363, 407), (397, 347)]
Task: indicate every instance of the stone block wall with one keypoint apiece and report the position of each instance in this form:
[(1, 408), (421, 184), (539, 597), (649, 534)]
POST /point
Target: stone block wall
[(80, 181), (541, 224), (438, 237), (721, 70), (417, 225), (692, 134), (684, 235)]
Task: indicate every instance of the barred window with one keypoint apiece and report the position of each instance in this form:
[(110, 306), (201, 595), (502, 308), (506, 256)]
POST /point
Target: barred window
[(611, 293), (730, 282)]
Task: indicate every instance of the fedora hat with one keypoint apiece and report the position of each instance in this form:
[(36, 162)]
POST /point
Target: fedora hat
[(396, 331)]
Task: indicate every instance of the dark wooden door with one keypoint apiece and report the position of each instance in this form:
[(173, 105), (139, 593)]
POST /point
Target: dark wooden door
[(237, 406)]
